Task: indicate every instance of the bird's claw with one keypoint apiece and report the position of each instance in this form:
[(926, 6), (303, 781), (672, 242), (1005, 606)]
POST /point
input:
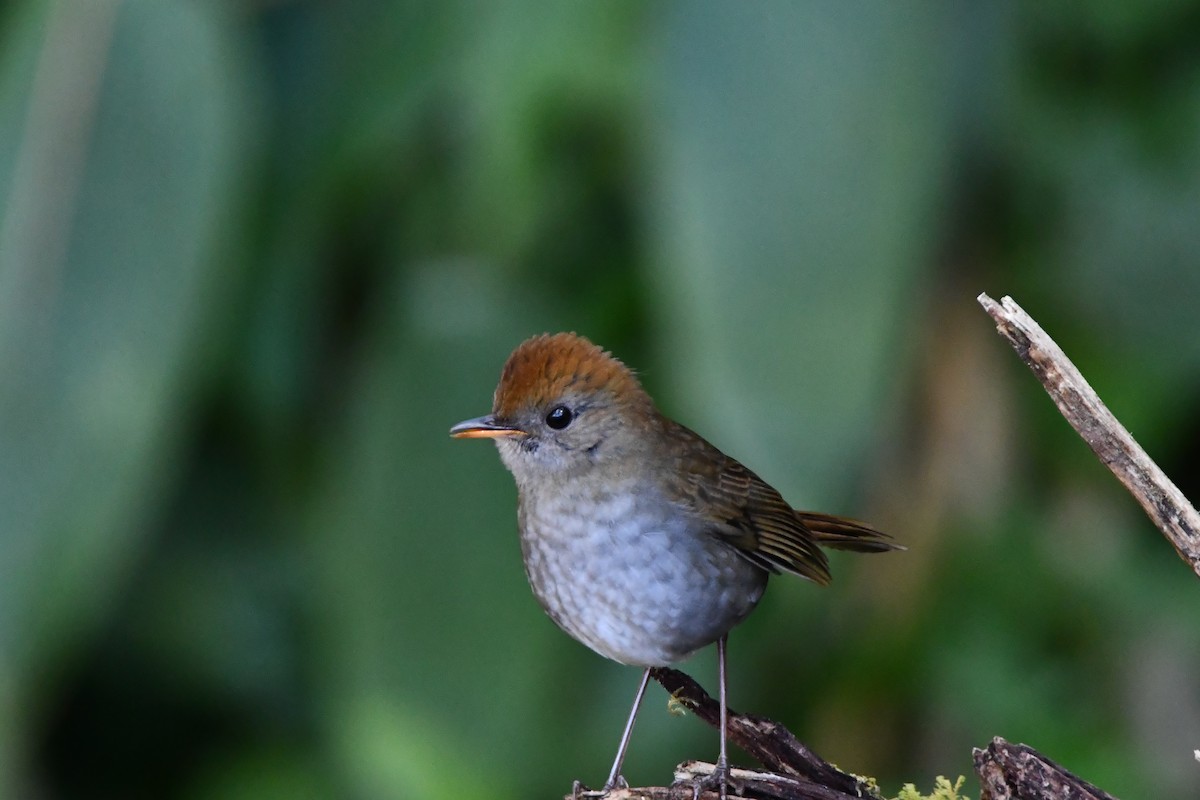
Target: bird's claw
[(580, 791), (719, 779)]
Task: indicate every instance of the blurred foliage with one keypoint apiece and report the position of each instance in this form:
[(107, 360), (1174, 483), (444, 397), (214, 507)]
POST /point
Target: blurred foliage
[(255, 258)]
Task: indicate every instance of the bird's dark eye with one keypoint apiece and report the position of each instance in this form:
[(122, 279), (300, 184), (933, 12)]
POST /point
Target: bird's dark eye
[(559, 417)]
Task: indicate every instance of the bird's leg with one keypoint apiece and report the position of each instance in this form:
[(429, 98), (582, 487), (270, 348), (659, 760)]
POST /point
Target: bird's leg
[(614, 777), (720, 773)]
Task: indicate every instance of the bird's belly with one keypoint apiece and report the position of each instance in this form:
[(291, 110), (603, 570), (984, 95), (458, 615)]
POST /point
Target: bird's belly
[(635, 588)]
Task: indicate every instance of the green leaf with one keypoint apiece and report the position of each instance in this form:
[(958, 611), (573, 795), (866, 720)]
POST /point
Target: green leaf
[(797, 184), (122, 124)]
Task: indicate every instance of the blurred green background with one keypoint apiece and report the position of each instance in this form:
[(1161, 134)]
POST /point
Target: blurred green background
[(257, 257)]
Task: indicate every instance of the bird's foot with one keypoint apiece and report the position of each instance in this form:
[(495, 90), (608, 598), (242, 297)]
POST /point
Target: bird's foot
[(579, 790), (718, 779)]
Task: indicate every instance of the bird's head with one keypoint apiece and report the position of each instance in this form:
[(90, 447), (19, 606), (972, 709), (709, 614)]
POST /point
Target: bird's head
[(563, 405)]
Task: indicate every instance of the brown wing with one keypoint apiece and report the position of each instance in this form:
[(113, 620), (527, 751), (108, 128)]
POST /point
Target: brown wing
[(744, 510)]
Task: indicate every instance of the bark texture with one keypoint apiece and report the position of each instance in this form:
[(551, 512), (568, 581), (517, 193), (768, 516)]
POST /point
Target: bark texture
[(1018, 772), (1166, 506)]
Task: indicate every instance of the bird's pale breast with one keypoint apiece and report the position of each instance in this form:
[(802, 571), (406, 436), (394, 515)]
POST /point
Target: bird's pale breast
[(630, 575)]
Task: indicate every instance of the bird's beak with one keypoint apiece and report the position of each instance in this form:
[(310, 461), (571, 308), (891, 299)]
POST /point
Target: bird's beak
[(483, 428)]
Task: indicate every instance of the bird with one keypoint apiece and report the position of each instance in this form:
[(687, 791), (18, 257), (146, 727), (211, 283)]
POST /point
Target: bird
[(640, 539)]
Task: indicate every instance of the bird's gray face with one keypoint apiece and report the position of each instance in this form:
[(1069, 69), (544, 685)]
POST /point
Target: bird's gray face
[(564, 437)]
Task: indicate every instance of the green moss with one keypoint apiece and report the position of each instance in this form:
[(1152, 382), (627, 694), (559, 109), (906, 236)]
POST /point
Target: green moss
[(942, 790), (869, 783)]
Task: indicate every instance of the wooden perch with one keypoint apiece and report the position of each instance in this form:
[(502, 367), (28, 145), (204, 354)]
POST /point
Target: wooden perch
[(794, 771), (771, 744), (1018, 772), (1079, 403)]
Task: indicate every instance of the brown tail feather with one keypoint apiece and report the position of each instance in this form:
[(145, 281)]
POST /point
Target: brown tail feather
[(842, 533)]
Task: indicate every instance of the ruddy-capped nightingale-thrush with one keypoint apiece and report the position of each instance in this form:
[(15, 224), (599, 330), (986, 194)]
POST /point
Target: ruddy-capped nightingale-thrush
[(640, 539)]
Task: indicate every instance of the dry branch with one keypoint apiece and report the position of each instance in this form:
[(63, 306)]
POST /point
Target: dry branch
[(743, 783), (1006, 771), (794, 771), (1018, 772), (1091, 419), (771, 744)]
